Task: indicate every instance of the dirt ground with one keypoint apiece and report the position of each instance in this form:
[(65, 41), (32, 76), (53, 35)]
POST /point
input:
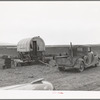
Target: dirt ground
[(67, 80)]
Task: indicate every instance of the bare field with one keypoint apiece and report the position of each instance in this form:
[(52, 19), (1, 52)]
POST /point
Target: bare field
[(67, 80)]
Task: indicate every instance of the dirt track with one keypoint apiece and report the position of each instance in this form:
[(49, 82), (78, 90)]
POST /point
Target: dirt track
[(67, 80)]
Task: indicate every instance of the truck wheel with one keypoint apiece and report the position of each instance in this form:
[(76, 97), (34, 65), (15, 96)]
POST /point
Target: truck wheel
[(81, 69), (96, 65)]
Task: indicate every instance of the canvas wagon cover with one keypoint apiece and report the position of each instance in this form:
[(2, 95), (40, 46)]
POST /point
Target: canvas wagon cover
[(24, 44)]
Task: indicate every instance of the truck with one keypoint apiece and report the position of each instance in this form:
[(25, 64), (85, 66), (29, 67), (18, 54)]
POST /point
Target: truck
[(79, 57)]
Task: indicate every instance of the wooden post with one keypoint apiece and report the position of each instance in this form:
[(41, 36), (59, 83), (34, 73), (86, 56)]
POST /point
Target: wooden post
[(71, 49), (71, 52)]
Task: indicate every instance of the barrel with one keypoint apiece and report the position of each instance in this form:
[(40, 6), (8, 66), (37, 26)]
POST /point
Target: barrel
[(8, 62)]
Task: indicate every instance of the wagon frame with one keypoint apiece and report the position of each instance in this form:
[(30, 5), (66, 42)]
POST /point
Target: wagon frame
[(30, 50)]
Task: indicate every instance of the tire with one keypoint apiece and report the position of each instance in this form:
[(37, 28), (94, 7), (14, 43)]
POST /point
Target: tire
[(96, 65), (81, 69), (19, 64), (61, 68)]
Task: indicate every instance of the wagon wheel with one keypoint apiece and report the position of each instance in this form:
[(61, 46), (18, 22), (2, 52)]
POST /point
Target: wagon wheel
[(81, 69), (19, 64), (15, 64), (61, 68)]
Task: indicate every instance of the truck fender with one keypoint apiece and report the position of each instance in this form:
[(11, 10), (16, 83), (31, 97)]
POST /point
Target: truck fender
[(78, 62)]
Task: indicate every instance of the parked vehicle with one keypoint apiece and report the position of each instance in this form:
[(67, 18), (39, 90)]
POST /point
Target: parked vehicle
[(30, 50), (79, 57), (39, 84)]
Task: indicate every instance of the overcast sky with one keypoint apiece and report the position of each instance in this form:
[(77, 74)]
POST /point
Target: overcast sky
[(56, 22)]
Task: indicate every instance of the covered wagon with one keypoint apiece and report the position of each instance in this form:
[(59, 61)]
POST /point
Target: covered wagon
[(31, 49)]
